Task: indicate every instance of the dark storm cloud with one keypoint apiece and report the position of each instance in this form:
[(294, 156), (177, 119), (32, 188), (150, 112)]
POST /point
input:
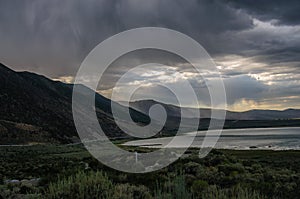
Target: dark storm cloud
[(286, 54), (257, 44), (52, 37), (285, 12)]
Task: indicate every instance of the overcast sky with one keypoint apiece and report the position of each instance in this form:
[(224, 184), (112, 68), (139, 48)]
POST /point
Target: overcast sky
[(256, 45)]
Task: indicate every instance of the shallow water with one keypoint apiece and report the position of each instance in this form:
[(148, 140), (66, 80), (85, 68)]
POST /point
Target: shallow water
[(242, 139)]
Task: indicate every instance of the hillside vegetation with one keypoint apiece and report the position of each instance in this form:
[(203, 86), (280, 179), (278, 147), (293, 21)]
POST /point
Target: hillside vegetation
[(70, 172)]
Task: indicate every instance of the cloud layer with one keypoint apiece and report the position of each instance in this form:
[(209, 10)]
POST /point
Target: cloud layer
[(255, 45)]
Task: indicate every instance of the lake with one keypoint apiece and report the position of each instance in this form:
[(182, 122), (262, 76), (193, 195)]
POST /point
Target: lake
[(240, 139)]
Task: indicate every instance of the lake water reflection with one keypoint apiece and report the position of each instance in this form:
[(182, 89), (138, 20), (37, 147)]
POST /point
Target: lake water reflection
[(257, 138)]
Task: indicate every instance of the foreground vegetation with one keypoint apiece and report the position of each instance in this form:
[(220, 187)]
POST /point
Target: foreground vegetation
[(70, 172)]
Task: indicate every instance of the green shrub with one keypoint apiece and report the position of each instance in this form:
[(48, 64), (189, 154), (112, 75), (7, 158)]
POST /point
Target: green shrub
[(173, 189), (82, 185), (127, 191), (237, 192), (198, 187)]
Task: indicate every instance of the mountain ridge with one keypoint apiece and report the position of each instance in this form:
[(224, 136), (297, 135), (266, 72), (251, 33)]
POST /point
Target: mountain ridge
[(29, 98), (36, 109), (254, 114)]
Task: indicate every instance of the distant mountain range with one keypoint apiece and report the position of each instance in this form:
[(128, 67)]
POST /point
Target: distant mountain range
[(175, 111), (35, 109), (247, 119)]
